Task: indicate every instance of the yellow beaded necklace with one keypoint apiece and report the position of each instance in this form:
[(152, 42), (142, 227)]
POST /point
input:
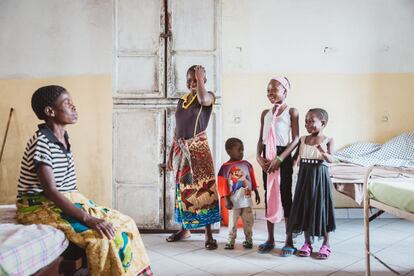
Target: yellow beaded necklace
[(187, 104)]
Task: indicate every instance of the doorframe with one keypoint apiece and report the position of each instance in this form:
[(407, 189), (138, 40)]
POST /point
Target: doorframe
[(163, 101)]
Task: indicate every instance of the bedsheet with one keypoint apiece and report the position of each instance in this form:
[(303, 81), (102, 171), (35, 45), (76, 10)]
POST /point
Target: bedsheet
[(24, 249), (348, 178), (397, 193)]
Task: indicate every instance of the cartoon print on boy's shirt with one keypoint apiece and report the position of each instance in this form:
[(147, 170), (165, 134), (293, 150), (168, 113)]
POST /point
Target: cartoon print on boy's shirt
[(235, 180)]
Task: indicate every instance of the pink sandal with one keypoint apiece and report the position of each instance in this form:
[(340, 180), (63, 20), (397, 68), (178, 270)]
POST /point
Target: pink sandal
[(324, 252), (305, 250)]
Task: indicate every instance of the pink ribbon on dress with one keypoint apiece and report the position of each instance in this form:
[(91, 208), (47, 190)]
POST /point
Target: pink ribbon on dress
[(274, 212)]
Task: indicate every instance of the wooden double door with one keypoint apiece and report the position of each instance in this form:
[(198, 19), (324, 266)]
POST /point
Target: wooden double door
[(155, 43)]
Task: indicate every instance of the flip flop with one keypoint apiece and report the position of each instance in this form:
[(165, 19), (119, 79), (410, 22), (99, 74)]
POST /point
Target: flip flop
[(324, 253), (288, 251), (305, 250), (176, 237), (211, 244), (266, 247)]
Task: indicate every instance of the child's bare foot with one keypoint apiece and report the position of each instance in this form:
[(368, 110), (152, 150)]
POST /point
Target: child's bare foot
[(182, 234)]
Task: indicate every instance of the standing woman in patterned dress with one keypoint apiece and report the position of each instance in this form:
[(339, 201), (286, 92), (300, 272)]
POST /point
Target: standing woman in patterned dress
[(196, 202)]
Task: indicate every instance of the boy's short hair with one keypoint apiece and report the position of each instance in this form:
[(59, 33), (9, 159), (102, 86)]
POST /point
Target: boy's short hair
[(231, 142), (322, 114), (45, 96)]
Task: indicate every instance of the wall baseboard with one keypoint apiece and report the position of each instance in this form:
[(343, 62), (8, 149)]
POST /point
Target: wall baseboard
[(340, 213)]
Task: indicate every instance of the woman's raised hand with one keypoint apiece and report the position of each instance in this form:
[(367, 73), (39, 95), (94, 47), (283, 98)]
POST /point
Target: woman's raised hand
[(200, 73)]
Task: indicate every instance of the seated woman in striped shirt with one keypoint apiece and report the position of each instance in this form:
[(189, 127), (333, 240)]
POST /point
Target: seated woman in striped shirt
[(47, 194)]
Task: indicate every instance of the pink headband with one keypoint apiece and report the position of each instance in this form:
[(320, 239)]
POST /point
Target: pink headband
[(283, 81)]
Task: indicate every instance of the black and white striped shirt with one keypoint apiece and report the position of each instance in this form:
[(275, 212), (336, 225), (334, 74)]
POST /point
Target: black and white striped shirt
[(45, 148)]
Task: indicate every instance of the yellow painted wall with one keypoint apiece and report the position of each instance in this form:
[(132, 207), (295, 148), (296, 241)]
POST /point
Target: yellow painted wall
[(91, 137), (356, 104)]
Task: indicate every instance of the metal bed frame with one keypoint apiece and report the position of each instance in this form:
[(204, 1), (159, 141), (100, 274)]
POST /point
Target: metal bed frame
[(369, 203)]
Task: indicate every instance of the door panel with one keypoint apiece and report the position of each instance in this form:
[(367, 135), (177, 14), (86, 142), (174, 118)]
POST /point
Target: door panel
[(139, 25), (193, 24), (138, 84), (139, 60), (170, 177), (195, 29), (144, 103), (138, 202), (138, 150)]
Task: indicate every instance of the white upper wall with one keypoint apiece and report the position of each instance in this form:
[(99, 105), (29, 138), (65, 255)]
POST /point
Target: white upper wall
[(52, 38), (335, 36)]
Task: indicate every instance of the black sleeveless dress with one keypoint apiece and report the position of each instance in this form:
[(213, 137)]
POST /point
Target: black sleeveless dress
[(313, 209)]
